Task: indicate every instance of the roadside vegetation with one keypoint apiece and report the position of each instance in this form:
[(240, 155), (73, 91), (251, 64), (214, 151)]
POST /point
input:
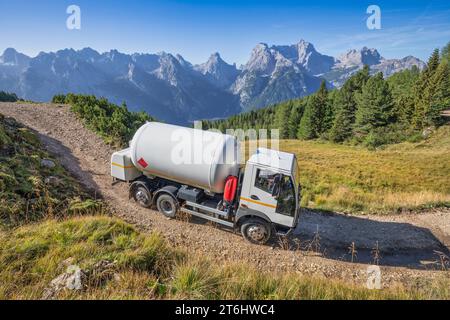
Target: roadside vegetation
[(117, 261), (141, 266), (8, 97), (32, 184), (115, 124)]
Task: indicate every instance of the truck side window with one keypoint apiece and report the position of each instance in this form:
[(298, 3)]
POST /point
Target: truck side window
[(265, 180), (286, 197)]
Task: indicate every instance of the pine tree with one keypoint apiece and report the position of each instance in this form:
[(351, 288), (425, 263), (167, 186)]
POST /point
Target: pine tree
[(439, 93), (343, 121), (345, 106), (374, 106), (434, 61), (321, 109), (294, 119), (281, 119), (306, 129), (402, 87), (328, 119), (312, 123), (423, 92), (445, 53)]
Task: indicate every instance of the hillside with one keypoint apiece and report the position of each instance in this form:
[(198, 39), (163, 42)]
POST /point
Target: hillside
[(53, 255), (32, 185), (402, 177), (405, 240)]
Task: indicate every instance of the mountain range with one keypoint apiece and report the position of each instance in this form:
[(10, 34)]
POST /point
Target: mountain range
[(174, 90)]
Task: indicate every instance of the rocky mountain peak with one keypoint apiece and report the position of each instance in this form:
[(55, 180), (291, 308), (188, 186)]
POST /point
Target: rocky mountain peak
[(218, 71), (364, 56), (262, 59), (13, 58), (182, 61), (88, 54)]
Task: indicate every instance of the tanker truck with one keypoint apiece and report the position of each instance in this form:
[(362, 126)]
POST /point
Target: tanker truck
[(199, 173)]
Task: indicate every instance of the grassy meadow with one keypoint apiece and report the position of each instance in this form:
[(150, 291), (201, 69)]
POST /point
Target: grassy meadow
[(353, 179)]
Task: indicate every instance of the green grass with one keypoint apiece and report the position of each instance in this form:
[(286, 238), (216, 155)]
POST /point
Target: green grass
[(146, 267), (401, 177), (26, 191)]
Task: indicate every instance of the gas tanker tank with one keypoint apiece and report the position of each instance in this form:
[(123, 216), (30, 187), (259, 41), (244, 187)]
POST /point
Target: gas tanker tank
[(203, 159)]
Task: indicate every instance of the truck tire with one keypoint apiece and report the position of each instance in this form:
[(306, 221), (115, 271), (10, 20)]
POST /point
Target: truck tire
[(167, 205), (256, 231), (142, 196)]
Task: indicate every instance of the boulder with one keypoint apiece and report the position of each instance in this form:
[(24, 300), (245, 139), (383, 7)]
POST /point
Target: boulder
[(48, 163), (73, 279)]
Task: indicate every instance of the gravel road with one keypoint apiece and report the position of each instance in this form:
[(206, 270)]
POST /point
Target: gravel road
[(406, 242)]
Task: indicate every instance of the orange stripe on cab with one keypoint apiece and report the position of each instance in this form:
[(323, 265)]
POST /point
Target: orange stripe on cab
[(259, 202)]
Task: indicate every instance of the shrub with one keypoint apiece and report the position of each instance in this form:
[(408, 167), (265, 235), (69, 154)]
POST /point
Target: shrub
[(59, 98), (8, 97), (115, 124), (391, 134)]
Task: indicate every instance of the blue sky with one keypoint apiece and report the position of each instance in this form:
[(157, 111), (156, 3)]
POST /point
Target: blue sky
[(195, 29)]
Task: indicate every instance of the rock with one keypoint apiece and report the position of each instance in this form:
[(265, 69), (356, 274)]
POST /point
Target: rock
[(52, 180), (427, 132), (73, 279), (48, 163)]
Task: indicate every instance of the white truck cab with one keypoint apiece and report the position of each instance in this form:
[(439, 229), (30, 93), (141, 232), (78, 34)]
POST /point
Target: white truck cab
[(270, 189)]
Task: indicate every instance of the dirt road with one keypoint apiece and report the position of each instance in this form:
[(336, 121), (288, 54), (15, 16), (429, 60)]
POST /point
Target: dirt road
[(407, 243)]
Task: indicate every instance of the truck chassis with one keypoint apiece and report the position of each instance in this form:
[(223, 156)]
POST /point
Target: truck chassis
[(164, 194)]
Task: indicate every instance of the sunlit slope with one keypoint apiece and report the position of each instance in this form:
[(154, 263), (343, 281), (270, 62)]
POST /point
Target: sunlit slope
[(405, 176)]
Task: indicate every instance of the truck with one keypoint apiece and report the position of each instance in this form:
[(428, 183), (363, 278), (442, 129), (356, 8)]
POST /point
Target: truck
[(258, 198)]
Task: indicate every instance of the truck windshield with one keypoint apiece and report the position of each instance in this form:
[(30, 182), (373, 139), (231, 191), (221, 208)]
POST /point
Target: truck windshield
[(286, 197)]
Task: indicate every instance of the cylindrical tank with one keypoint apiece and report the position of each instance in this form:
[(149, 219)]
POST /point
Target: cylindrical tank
[(203, 159)]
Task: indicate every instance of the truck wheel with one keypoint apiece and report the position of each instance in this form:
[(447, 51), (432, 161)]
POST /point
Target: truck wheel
[(142, 196), (256, 231), (167, 205)]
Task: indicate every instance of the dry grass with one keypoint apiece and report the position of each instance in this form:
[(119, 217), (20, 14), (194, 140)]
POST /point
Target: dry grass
[(147, 268), (407, 176)]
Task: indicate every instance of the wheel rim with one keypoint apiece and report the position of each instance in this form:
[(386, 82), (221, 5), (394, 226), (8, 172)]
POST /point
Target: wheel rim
[(166, 206), (257, 232), (142, 196)]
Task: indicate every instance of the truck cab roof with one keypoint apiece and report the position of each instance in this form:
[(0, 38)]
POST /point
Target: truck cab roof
[(274, 159)]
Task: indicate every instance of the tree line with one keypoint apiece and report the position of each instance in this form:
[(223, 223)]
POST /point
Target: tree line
[(8, 97), (367, 109)]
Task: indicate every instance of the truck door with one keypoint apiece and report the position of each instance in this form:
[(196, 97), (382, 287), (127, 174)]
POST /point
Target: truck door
[(263, 193)]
